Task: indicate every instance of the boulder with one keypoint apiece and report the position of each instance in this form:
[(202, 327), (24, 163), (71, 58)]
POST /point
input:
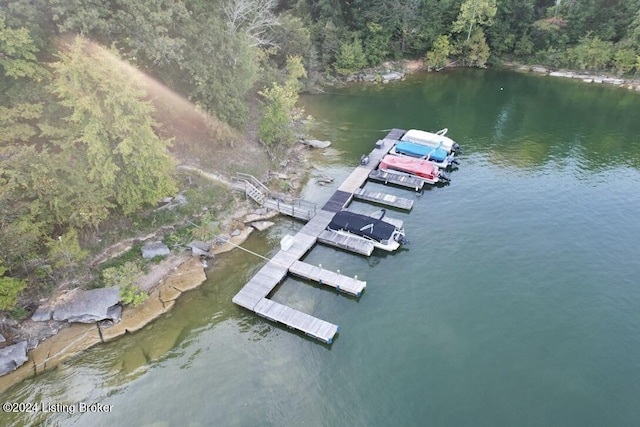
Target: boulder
[(539, 69), (43, 314), (199, 248), (315, 143), (89, 306), (2, 339), (12, 357), (236, 232), (154, 249), (394, 75)]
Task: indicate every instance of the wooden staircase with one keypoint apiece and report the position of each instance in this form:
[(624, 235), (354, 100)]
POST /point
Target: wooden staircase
[(253, 188)]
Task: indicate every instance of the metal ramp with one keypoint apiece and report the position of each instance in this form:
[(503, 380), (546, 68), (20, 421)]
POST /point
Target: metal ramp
[(256, 190)]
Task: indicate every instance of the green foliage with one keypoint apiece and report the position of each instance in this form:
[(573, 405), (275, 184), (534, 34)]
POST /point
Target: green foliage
[(132, 295), (10, 289), (125, 277), (65, 252), (376, 44), (110, 133), (221, 67), (350, 58), (590, 54), (624, 60), (438, 56), (275, 127), (18, 53), (17, 123), (549, 33), (206, 229), (476, 51), (524, 46), (474, 12)]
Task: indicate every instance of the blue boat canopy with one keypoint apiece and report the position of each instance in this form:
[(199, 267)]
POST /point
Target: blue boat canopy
[(418, 150)]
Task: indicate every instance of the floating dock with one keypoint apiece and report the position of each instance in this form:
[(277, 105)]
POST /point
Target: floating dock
[(294, 319), (254, 295), (383, 199), (397, 179), (349, 285)]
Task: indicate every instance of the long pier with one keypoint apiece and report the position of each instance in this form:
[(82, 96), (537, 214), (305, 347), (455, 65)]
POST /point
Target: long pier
[(254, 295)]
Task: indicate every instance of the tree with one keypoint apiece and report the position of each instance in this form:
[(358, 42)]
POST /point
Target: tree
[(476, 51), (253, 17), (18, 53), (110, 135), (10, 289), (350, 58), (438, 56), (376, 44), (65, 252), (221, 67), (275, 127), (624, 60), (474, 12), (401, 17)]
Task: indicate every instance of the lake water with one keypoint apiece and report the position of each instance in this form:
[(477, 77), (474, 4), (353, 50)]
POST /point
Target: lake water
[(517, 303)]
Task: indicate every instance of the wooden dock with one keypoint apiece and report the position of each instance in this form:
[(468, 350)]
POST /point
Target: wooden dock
[(254, 295), (349, 285), (383, 199), (397, 179), (311, 326)]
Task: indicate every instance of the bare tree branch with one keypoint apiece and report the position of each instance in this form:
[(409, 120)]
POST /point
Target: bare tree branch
[(253, 17)]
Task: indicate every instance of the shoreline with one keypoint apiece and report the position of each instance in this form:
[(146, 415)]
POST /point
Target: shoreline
[(164, 283)]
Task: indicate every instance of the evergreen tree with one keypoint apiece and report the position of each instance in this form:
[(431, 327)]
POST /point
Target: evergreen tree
[(110, 134)]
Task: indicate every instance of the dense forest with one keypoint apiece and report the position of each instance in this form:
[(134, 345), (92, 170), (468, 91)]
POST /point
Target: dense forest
[(78, 138)]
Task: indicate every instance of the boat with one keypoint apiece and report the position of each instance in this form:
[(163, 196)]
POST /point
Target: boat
[(420, 168), (431, 139), (383, 235), (436, 155)]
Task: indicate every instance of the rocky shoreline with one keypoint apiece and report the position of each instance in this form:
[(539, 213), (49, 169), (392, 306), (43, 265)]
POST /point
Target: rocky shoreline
[(631, 84), (49, 339)]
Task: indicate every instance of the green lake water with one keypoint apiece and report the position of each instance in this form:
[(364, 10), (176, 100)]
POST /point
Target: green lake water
[(517, 303)]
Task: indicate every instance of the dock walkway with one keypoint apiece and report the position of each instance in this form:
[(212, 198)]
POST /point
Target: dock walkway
[(254, 295)]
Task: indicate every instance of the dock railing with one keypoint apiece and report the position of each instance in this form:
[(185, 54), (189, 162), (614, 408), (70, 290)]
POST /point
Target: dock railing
[(253, 188)]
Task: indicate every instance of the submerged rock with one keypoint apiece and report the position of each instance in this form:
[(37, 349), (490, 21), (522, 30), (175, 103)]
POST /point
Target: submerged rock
[(261, 225), (89, 306), (12, 357), (315, 143)]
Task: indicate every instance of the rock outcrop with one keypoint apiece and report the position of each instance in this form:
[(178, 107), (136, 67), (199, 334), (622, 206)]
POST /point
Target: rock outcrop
[(12, 357), (89, 306)]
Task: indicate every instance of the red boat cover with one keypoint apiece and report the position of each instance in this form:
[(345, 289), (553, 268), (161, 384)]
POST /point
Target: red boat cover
[(418, 167)]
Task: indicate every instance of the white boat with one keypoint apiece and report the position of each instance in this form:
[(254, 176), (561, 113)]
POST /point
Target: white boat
[(382, 234), (431, 139)]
